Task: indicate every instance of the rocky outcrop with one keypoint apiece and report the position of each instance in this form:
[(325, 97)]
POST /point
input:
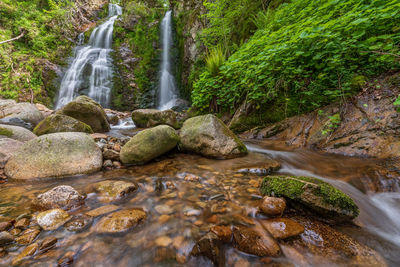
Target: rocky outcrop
[(55, 155), (87, 110), (210, 137), (25, 111), (146, 118), (16, 133), (321, 197), (149, 144), (60, 123)]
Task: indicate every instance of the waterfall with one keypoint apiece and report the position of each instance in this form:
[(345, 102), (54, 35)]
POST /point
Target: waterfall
[(91, 72), (167, 95)]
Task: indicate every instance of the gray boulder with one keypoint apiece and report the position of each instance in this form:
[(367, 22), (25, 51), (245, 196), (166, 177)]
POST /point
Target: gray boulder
[(25, 111), (16, 133)]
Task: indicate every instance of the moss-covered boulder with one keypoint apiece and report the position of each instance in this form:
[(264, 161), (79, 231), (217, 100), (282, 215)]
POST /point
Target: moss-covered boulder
[(60, 123), (55, 155), (210, 137), (146, 118), (15, 132), (149, 144), (87, 110), (319, 196)]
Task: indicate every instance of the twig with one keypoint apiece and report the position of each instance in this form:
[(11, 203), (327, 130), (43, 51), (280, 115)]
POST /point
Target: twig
[(13, 39)]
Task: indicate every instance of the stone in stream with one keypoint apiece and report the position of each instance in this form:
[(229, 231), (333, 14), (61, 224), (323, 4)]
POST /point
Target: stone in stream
[(4, 226), (119, 221), (266, 168), (62, 197), (272, 206), (57, 123), (210, 137), (55, 155), (87, 110), (78, 223), (149, 144), (52, 219), (15, 132), (251, 241), (223, 232), (146, 118), (22, 223), (102, 210), (313, 193), (47, 243), (8, 147), (210, 246), (27, 236), (27, 252), (281, 228), (111, 190), (6, 238), (26, 112)]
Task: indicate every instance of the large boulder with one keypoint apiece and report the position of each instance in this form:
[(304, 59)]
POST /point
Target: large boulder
[(8, 147), (210, 137), (87, 110), (146, 118), (60, 123), (55, 155), (16, 132), (149, 144), (25, 111), (319, 196)]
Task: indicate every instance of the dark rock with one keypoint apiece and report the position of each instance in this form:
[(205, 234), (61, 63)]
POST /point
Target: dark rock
[(252, 242), (273, 206), (47, 244), (4, 226), (210, 246), (6, 238), (17, 122)]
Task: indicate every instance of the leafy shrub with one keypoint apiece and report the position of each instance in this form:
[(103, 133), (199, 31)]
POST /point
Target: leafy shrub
[(214, 60)]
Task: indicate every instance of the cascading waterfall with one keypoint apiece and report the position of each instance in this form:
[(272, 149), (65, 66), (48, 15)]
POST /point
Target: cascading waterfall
[(91, 72), (168, 93)]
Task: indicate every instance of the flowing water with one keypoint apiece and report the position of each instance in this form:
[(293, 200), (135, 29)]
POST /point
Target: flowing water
[(184, 195), (91, 71), (168, 94)]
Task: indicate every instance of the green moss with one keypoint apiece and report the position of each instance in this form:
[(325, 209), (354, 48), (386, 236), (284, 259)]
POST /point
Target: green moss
[(6, 132)]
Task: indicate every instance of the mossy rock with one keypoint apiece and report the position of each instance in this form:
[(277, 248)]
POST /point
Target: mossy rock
[(210, 137), (149, 144), (145, 118), (87, 110), (317, 195), (16, 133), (60, 123)]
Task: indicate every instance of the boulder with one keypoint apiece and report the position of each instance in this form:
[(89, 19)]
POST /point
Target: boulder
[(272, 206), (319, 196), (210, 137), (7, 148), (87, 110), (149, 144), (16, 133), (146, 118), (62, 197), (281, 228), (27, 112), (60, 123), (52, 219), (120, 221), (111, 190), (17, 122), (55, 155), (251, 241)]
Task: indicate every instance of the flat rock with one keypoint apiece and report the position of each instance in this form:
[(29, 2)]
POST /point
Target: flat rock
[(251, 241), (61, 197), (111, 190), (281, 228), (52, 219), (120, 221), (16, 132)]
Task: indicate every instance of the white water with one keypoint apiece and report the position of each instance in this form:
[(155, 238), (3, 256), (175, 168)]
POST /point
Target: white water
[(167, 96), (91, 72), (379, 212)]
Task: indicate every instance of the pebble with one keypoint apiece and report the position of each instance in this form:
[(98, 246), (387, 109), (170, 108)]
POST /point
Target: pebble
[(163, 241), (27, 236), (163, 209), (163, 219)]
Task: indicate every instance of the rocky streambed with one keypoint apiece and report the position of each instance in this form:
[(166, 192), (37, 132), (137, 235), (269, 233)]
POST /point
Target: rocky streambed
[(267, 204)]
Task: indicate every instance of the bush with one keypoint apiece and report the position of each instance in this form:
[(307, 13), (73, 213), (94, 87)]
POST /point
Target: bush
[(214, 60)]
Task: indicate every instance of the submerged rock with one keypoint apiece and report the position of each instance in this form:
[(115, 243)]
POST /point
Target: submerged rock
[(15, 132), (26, 112), (62, 197), (88, 111), (315, 194), (52, 219), (6, 238), (27, 236), (78, 223), (210, 246), (149, 144), (27, 252), (55, 155), (252, 242), (146, 118), (210, 137), (273, 206), (102, 210), (282, 228), (60, 123), (120, 221), (111, 190)]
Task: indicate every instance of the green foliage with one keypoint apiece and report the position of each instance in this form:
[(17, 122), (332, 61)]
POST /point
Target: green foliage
[(332, 123), (214, 60), (307, 50)]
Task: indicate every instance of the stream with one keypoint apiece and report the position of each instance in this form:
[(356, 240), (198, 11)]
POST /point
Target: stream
[(181, 210)]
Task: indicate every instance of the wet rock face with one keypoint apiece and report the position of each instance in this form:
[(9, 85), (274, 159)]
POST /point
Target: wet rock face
[(120, 221), (55, 155), (62, 197), (52, 219), (26, 112), (252, 242), (281, 228), (111, 190), (273, 206), (145, 118), (60, 123), (149, 144), (15, 132), (210, 137), (315, 194), (210, 246), (87, 110)]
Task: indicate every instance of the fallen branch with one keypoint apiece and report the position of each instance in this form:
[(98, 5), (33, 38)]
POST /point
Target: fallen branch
[(13, 39)]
